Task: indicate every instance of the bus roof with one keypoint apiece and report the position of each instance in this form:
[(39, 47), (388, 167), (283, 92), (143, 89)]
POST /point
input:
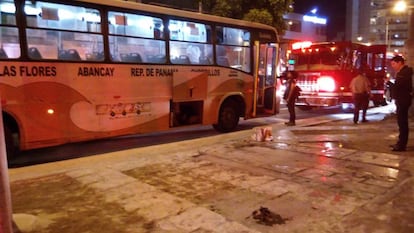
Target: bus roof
[(180, 13)]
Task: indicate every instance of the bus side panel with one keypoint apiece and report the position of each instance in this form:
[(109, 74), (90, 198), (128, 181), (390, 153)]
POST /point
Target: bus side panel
[(38, 103), (46, 110), (128, 101), (76, 104)]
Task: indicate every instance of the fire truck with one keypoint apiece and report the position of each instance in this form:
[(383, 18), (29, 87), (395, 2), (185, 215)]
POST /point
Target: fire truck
[(327, 68)]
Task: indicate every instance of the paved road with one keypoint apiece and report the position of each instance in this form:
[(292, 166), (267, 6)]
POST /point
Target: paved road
[(83, 149), (324, 175)]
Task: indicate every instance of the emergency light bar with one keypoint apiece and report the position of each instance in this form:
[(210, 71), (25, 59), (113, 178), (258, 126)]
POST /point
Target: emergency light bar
[(301, 45)]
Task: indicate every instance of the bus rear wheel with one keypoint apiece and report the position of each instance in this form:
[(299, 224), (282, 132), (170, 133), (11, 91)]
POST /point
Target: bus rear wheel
[(228, 118)]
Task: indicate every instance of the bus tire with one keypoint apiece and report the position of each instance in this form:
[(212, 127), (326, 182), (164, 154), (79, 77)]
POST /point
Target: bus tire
[(11, 148), (228, 118)]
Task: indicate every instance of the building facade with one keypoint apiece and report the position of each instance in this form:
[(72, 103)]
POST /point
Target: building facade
[(300, 28), (376, 22), (304, 28)]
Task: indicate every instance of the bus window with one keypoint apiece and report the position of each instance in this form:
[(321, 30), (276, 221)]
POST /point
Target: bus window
[(9, 37), (232, 36), (126, 24), (190, 43), (9, 40), (61, 16), (233, 56), (136, 38), (136, 50), (51, 44), (233, 48), (72, 29), (195, 52)]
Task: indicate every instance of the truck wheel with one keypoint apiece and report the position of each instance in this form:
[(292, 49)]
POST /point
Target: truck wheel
[(228, 118)]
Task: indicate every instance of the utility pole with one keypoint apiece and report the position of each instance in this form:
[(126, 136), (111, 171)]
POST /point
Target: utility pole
[(5, 196)]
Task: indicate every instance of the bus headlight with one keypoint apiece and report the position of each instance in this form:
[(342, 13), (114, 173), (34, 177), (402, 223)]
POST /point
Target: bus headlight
[(326, 83)]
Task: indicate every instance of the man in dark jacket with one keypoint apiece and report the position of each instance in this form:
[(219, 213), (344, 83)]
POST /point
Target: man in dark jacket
[(401, 91), (291, 94)]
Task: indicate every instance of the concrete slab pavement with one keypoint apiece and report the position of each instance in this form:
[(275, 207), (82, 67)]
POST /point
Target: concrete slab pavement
[(323, 175)]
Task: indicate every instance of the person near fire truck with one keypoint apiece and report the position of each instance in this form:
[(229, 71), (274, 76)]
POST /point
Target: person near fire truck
[(402, 94), (292, 92), (360, 88)]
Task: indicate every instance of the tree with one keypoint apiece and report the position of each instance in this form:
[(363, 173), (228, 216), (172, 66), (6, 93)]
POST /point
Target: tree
[(262, 11), (227, 8), (259, 15), (268, 12), (179, 4)]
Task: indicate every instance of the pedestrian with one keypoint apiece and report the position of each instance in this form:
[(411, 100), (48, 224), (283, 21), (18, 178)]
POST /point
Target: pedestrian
[(291, 94), (360, 88), (401, 93)]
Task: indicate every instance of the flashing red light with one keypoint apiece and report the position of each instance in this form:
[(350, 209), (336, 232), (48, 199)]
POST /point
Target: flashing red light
[(326, 83)]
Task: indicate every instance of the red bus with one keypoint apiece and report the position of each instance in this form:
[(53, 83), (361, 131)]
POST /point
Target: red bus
[(81, 70), (326, 70)]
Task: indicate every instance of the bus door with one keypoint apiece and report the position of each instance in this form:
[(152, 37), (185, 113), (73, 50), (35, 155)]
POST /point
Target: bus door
[(376, 73), (265, 86)]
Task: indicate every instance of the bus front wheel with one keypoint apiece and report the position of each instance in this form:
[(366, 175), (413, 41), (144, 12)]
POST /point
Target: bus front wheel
[(228, 118)]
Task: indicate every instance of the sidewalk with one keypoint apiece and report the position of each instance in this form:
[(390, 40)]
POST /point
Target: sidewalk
[(323, 175)]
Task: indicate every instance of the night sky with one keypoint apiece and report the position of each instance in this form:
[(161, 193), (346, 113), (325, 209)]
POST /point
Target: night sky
[(333, 10)]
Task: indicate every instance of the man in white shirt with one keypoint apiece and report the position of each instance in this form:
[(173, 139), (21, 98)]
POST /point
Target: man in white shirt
[(360, 88)]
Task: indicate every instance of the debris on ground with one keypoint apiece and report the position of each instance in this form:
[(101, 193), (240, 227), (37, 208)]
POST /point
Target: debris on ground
[(262, 134), (266, 217)]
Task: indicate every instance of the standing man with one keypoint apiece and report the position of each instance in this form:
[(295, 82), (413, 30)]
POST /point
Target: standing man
[(401, 93), (360, 88), (290, 95)]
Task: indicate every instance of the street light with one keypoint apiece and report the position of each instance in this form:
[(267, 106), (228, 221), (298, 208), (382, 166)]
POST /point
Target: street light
[(400, 6)]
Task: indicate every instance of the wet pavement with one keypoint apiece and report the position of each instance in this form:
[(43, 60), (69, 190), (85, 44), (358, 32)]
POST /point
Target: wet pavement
[(323, 175)]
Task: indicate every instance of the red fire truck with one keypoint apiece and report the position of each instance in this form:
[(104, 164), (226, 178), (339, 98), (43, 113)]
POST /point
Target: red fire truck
[(326, 70)]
